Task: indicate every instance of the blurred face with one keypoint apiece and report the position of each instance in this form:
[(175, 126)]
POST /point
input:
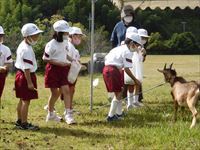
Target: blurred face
[(1, 38), (65, 35), (144, 40), (76, 39), (128, 19), (32, 40), (133, 47)]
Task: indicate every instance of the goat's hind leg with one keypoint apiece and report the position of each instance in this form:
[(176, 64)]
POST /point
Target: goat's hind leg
[(191, 105)]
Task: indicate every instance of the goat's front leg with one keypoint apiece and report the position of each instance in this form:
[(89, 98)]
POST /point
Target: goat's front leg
[(182, 112), (175, 110)]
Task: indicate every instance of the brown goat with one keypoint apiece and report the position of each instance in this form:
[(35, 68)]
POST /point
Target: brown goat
[(183, 92)]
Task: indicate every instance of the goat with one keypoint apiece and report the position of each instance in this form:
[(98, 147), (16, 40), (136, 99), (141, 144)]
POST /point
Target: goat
[(183, 92)]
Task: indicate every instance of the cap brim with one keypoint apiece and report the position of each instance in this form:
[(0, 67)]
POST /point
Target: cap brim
[(37, 32), (144, 36)]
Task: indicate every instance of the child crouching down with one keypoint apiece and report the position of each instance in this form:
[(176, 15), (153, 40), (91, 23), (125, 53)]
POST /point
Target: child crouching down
[(25, 80), (5, 61), (118, 58)]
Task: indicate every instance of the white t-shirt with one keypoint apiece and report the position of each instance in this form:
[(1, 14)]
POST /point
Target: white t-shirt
[(73, 52), (5, 55), (25, 57), (120, 56), (56, 51)]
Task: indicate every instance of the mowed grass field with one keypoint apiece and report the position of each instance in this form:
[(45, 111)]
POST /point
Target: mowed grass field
[(149, 127)]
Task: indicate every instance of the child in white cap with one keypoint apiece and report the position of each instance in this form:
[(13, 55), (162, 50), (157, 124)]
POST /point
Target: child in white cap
[(75, 37), (5, 61), (129, 87), (118, 58), (134, 99), (142, 56), (57, 68), (25, 80)]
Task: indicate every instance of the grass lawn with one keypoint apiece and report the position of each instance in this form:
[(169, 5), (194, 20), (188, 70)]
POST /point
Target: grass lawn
[(150, 127)]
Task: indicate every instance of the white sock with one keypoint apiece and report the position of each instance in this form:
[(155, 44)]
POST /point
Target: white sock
[(50, 113), (129, 98), (135, 99), (67, 111), (113, 107), (119, 108)]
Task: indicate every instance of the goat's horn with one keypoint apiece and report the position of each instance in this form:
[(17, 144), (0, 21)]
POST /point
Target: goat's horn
[(165, 66), (171, 66)]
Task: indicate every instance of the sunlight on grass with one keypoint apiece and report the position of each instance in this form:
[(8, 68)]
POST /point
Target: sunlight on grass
[(150, 127)]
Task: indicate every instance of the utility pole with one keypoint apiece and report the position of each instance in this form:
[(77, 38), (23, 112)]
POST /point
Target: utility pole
[(184, 25), (91, 55)]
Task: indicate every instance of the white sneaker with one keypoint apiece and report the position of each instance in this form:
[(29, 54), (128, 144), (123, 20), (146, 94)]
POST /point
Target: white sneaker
[(53, 117), (129, 107), (69, 118), (141, 104), (138, 104)]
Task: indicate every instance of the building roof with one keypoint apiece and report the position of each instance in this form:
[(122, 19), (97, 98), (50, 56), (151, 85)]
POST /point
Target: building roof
[(162, 4)]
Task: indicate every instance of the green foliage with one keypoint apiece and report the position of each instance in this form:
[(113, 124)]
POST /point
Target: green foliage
[(156, 45), (15, 13), (183, 43)]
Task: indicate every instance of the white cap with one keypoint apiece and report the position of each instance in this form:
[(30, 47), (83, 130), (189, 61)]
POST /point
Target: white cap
[(134, 37), (30, 29), (143, 33), (61, 26), (130, 30), (1, 30), (76, 30)]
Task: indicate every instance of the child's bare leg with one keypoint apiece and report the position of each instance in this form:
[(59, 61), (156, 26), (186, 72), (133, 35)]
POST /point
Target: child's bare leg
[(24, 110), (19, 107), (55, 93), (71, 90)]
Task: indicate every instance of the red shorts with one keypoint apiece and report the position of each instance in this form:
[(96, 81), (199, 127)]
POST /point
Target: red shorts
[(112, 78), (56, 76), (21, 86), (2, 82)]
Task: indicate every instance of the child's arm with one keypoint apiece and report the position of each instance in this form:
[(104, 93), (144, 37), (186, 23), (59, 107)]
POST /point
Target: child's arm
[(28, 79), (5, 68), (57, 63), (127, 70)]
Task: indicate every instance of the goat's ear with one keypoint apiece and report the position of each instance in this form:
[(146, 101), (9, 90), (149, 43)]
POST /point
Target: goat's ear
[(170, 67), (160, 70), (165, 66)]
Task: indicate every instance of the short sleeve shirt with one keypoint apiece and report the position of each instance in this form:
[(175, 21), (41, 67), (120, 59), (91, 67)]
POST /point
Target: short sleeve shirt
[(5, 55), (56, 51), (25, 57), (121, 57)]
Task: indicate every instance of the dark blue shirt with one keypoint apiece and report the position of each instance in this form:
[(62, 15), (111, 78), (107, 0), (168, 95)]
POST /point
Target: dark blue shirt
[(119, 32)]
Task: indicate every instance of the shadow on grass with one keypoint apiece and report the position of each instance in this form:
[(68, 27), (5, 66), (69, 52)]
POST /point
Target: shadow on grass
[(69, 131), (57, 131), (152, 115)]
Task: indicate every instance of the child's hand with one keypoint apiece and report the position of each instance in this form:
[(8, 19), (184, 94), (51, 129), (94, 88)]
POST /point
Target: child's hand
[(143, 51), (63, 64), (3, 69), (31, 86)]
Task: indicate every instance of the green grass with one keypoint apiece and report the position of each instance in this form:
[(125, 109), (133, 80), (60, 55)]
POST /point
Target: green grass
[(150, 127)]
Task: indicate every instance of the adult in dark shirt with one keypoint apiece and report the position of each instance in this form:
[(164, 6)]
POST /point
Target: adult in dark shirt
[(127, 20)]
